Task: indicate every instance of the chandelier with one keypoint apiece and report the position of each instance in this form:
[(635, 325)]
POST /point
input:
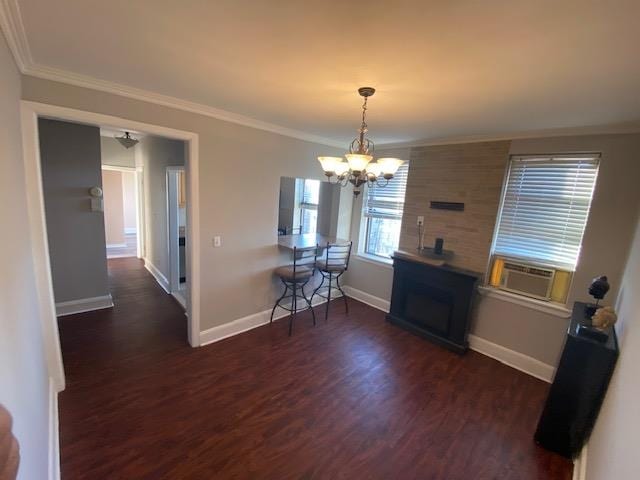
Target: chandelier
[(127, 141), (359, 169)]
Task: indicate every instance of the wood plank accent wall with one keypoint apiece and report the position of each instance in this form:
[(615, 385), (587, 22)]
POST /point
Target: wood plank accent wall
[(472, 173)]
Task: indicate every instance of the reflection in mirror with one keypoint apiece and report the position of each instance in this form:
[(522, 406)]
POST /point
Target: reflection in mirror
[(307, 206)]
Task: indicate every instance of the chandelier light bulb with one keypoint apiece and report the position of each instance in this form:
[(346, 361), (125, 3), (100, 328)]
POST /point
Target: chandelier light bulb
[(358, 162), (329, 165), (390, 166)]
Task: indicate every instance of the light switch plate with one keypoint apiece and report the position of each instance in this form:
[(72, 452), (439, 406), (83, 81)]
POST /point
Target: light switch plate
[(217, 241)]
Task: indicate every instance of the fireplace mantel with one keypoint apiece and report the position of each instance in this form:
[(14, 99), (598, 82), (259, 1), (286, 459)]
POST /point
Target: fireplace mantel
[(432, 299)]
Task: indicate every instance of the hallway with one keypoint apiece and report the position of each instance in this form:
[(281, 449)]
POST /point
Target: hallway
[(354, 397)]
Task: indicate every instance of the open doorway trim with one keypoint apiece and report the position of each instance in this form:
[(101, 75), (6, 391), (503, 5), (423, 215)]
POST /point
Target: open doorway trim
[(30, 112), (173, 229)]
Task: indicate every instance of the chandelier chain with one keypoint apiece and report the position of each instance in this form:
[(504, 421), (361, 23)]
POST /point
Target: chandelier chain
[(363, 127)]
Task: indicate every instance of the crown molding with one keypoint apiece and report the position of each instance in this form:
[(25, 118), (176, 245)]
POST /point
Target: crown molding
[(63, 76), (13, 28), (612, 129)]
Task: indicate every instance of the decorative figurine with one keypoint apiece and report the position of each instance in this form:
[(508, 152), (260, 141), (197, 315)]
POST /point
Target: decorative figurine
[(598, 289), (604, 317)]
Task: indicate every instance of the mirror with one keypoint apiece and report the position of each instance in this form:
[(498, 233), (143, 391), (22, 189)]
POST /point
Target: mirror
[(308, 206)]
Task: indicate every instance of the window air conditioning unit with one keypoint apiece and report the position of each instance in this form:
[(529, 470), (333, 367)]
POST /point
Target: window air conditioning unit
[(527, 280)]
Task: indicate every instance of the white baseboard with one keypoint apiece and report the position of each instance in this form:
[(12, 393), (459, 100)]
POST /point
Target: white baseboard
[(157, 274), (83, 305), (249, 322), (364, 297), (116, 245), (54, 434), (130, 230), (180, 298), (580, 465), (514, 359)]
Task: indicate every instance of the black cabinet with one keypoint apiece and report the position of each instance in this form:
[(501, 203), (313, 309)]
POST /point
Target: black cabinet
[(578, 388), (432, 301)]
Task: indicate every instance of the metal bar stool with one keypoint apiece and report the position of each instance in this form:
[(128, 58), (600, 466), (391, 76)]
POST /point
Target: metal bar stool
[(332, 267), (295, 277)]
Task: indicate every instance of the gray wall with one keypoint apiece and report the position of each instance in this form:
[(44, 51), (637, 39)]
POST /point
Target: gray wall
[(613, 444), (70, 158), (115, 155), (157, 154), (329, 205), (287, 202), (24, 379), (606, 242)]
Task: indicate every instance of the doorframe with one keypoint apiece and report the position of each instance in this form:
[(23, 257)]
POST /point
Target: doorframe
[(30, 112), (173, 227)]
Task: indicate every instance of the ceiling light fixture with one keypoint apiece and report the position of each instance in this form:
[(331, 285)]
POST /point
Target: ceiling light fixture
[(127, 141), (359, 169)]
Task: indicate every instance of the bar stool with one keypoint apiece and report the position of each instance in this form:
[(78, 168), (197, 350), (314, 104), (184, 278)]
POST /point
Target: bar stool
[(332, 267), (295, 277)]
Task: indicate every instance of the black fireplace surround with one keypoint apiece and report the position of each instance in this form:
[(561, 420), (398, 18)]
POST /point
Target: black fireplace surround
[(432, 301)]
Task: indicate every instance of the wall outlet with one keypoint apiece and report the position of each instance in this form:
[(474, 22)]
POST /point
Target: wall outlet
[(217, 241), (420, 221)]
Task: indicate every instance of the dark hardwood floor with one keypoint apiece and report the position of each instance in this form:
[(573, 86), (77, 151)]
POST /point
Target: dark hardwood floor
[(353, 398)]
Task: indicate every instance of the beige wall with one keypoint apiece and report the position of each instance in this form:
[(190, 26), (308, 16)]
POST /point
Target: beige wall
[(113, 207), (613, 445), (129, 200), (606, 242), (24, 379), (70, 161)]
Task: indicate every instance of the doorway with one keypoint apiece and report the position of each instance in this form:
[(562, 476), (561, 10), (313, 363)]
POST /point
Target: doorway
[(176, 231), (31, 112), (122, 223)]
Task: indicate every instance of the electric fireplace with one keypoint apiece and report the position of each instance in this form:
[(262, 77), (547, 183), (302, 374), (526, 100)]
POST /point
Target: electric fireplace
[(433, 301)]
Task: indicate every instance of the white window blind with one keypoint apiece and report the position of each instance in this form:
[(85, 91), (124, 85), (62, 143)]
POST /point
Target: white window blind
[(310, 193), (309, 205), (545, 208), (387, 201)]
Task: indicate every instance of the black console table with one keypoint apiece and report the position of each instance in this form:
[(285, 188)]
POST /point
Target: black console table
[(433, 301), (578, 388)]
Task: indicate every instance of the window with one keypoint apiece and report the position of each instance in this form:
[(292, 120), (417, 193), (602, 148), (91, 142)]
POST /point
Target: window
[(382, 209), (310, 198), (543, 216)]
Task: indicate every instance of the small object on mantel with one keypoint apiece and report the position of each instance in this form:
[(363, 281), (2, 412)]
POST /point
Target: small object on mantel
[(437, 248), (436, 252)]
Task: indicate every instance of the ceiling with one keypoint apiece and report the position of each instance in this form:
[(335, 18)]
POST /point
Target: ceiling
[(442, 69)]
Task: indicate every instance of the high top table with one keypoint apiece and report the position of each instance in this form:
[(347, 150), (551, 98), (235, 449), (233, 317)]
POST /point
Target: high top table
[(307, 241)]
